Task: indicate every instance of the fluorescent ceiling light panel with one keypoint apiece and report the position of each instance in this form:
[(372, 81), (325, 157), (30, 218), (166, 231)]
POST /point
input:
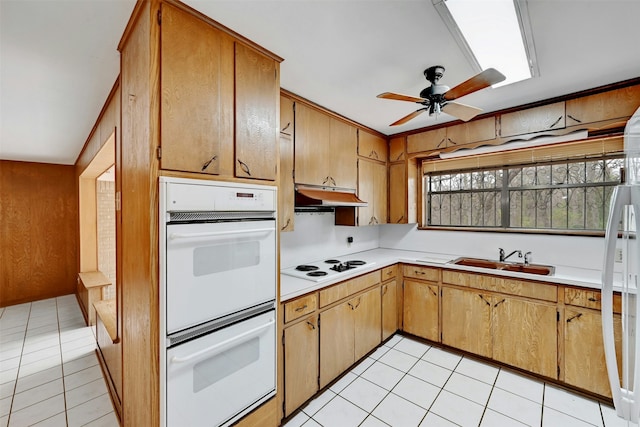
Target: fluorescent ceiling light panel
[(492, 33)]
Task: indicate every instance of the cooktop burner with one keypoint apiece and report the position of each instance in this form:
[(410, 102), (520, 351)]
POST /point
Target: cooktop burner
[(306, 267), (356, 262), (317, 273), (332, 261), (342, 267)]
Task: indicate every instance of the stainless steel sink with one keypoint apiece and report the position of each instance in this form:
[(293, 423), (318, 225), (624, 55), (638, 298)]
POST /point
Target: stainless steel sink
[(543, 270)]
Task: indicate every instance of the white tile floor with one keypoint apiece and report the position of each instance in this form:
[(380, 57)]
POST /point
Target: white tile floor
[(49, 372), (406, 383)]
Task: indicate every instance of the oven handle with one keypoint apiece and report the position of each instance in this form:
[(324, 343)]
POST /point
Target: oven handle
[(174, 236), (218, 348)]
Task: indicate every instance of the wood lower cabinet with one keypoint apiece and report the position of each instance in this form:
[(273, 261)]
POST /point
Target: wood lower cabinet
[(348, 331), (466, 320), (420, 310), (389, 308), (525, 335), (300, 363), (584, 361)]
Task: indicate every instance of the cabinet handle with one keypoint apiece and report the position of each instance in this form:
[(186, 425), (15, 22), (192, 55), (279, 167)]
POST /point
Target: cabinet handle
[(384, 289), (326, 180), (400, 219), (244, 167), (441, 142), (208, 162), (556, 122), (373, 155), (372, 221), (333, 181), (592, 299), (435, 294), (482, 298), (312, 326), (419, 272), (574, 317), (573, 118), (286, 127), (299, 309), (390, 272), (358, 304), (452, 141), (286, 224), (499, 302), (402, 154)]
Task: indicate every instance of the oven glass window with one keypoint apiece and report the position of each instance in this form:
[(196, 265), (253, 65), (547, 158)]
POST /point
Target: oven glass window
[(223, 364), (229, 256)]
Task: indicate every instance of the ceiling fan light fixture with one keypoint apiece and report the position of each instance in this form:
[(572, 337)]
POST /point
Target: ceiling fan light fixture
[(495, 33)]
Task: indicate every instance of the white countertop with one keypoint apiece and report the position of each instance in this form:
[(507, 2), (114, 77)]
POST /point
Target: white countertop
[(291, 287)]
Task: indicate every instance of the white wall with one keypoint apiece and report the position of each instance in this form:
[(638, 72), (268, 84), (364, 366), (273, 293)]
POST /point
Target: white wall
[(316, 238), (557, 250)]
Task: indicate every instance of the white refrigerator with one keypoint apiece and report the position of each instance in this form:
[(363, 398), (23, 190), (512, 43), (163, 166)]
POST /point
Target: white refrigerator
[(621, 237)]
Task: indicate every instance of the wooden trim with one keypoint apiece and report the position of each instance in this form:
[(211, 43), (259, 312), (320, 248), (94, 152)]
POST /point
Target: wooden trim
[(574, 95), (311, 104), (113, 393), (582, 233), (138, 9)]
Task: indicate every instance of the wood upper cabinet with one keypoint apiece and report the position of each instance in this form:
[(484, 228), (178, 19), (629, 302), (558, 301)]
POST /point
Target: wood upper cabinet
[(397, 193), (300, 363), (257, 90), (466, 320), (372, 188), (396, 149), (286, 192), (546, 117), (389, 308), (372, 146), (420, 310), (325, 151), (524, 335), (584, 360), (287, 121), (196, 94), (619, 103), (471, 132), (427, 141)]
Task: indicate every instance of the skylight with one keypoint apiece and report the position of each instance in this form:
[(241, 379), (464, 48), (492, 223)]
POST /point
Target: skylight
[(493, 33)]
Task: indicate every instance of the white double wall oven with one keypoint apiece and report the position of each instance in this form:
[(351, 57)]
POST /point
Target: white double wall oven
[(218, 296)]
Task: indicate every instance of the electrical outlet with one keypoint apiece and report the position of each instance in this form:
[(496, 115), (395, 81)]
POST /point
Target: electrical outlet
[(618, 256), (349, 239)]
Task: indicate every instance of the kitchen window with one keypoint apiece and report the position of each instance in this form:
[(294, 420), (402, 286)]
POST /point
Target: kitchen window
[(554, 196)]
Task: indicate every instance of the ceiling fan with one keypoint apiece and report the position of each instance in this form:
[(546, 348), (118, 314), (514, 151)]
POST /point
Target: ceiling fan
[(437, 97)]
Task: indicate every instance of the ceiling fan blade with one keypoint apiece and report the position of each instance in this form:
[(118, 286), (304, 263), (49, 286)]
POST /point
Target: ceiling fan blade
[(408, 117), (461, 111), (488, 77), (400, 97)]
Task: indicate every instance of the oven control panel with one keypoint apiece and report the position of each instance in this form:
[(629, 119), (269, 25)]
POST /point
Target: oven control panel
[(192, 195)]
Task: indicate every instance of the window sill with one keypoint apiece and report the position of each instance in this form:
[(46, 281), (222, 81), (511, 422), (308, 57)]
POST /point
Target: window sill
[(587, 233)]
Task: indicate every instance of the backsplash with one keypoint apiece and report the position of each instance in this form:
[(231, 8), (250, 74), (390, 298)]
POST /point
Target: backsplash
[(316, 237)]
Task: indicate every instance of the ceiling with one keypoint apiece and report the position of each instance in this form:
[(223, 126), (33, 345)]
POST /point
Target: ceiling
[(58, 59)]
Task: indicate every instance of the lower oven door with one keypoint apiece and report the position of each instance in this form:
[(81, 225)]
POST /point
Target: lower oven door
[(216, 269), (213, 380)]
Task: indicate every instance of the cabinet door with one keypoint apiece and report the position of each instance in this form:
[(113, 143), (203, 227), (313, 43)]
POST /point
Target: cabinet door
[(396, 149), (421, 302), (300, 363), (470, 132), (531, 120), (427, 141), (367, 322), (286, 195), (380, 193), (603, 106), (397, 194), (336, 342), (584, 361), (525, 335), (372, 188), (312, 148), (287, 122), (196, 113), (372, 146), (389, 309), (466, 320), (257, 92), (342, 159)]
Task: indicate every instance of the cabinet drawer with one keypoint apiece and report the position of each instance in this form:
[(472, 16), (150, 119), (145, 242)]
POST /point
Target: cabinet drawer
[(422, 273), (390, 272), (590, 298), (348, 287), (299, 307), (542, 291)]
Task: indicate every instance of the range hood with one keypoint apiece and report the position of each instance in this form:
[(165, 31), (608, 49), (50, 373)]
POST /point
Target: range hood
[(329, 197)]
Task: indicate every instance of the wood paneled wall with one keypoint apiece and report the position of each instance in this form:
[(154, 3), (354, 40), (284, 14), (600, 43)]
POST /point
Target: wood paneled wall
[(38, 231)]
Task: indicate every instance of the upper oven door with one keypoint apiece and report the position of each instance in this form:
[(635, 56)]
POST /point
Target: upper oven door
[(215, 269)]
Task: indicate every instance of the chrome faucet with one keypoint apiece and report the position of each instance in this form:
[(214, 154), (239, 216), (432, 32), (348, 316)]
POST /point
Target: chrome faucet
[(527, 258), (504, 258)]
